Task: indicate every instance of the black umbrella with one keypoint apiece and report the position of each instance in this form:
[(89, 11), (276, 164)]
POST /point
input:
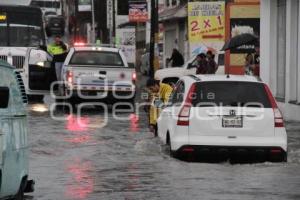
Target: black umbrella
[(239, 40)]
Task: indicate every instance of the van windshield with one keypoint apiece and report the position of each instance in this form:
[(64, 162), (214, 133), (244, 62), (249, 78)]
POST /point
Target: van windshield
[(230, 93)]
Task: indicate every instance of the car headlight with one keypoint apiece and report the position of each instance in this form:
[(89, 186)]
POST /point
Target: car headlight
[(41, 64)]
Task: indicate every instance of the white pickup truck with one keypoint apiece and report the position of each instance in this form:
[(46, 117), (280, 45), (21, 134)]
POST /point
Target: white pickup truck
[(172, 75), (97, 74)]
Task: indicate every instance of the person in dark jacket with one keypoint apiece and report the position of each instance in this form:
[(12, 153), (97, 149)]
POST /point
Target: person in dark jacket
[(202, 66), (176, 58), (212, 66)]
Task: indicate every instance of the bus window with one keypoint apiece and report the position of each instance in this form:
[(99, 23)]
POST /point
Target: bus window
[(22, 28), (3, 29)]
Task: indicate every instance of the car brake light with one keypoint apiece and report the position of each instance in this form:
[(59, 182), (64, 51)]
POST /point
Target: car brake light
[(133, 77), (279, 122), (79, 44), (184, 114), (278, 119), (69, 77), (275, 151)]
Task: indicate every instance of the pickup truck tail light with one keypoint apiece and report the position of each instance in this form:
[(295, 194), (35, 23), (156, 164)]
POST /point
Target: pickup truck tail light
[(69, 77), (133, 77)]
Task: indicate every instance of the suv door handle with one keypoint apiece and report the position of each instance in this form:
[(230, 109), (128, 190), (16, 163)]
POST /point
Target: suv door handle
[(102, 72)]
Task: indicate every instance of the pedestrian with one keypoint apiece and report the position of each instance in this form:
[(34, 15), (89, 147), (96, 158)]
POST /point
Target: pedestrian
[(212, 66), (58, 49), (249, 64), (176, 58), (256, 70), (158, 91), (202, 64)]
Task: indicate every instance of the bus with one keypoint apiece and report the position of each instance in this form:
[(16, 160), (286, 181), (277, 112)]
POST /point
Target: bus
[(48, 6), (22, 29)]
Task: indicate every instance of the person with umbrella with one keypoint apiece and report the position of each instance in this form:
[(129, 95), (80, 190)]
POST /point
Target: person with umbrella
[(176, 58)]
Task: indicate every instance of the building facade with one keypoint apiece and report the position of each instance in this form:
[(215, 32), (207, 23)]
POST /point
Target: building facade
[(280, 53)]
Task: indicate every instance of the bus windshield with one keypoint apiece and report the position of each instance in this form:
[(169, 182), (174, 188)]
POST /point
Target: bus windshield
[(21, 28), (45, 4)]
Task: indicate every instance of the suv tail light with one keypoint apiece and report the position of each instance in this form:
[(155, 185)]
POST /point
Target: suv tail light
[(278, 119), (69, 77), (279, 122), (184, 114)]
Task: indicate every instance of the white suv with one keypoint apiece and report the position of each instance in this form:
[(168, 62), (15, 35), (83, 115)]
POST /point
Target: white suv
[(223, 116)]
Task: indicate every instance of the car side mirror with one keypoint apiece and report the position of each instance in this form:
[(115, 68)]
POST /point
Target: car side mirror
[(4, 97)]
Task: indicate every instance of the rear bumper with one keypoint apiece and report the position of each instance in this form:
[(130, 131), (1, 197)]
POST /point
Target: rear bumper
[(221, 141), (239, 153), (90, 95)]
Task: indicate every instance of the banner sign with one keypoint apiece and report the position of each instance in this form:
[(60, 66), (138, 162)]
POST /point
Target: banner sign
[(109, 11), (206, 26), (138, 12), (125, 38), (84, 5)]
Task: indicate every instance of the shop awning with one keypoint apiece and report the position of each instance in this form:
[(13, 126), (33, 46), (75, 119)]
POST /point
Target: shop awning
[(173, 13)]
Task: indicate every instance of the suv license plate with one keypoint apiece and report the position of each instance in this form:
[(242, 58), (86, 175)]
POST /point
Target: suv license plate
[(232, 122)]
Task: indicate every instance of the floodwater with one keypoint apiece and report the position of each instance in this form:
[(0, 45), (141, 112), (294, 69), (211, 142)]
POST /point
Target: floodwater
[(80, 159)]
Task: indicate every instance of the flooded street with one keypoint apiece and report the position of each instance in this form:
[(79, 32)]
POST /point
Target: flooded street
[(78, 159)]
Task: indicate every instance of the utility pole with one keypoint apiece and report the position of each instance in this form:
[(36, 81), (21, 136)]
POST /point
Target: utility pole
[(93, 22), (154, 38)]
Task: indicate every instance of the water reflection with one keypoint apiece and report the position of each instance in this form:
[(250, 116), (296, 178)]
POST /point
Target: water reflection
[(77, 124), (41, 108), (82, 182), (134, 123)]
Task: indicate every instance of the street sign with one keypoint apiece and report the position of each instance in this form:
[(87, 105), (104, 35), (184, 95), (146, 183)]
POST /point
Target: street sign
[(109, 9)]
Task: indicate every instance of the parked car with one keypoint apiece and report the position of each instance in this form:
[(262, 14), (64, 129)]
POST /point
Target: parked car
[(97, 73), (14, 176), (55, 25), (171, 75), (226, 116)]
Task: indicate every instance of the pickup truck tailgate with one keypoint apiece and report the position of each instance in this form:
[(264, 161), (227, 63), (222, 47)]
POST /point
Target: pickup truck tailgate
[(100, 76)]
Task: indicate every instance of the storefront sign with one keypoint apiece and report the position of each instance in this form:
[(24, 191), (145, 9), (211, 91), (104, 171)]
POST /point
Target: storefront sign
[(138, 12), (84, 5), (206, 26), (126, 41)]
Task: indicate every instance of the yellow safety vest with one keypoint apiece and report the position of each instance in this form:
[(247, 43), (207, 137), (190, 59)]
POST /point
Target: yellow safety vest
[(55, 49), (164, 93)]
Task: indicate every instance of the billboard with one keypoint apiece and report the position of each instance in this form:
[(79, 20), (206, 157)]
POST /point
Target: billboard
[(125, 38), (84, 5), (206, 26), (138, 12)]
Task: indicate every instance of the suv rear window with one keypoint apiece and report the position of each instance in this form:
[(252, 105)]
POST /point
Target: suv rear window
[(230, 93), (102, 58)]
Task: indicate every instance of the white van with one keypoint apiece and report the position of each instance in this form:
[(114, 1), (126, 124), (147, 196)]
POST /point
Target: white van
[(14, 180)]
